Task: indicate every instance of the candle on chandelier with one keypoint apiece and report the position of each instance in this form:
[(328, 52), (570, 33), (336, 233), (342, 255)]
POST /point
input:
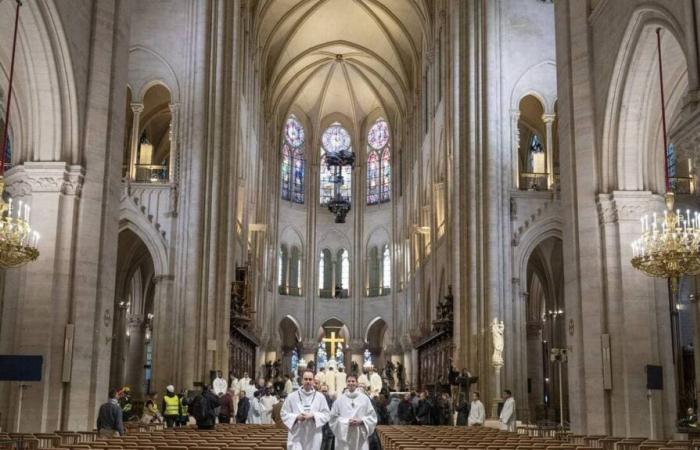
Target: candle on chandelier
[(9, 210)]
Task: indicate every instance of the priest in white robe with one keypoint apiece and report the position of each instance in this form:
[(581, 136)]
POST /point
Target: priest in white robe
[(477, 413), (352, 418), (304, 413), (243, 382), (321, 376), (375, 382), (363, 382), (507, 417), (331, 379), (340, 378)]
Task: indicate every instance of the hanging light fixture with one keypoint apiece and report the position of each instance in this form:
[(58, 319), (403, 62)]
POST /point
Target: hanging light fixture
[(669, 246), (18, 243)]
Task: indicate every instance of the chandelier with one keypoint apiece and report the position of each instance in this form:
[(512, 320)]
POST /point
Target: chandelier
[(339, 205), (669, 246), (18, 243)]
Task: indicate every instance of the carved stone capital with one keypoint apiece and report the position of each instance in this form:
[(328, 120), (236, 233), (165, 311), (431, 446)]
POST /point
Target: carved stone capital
[(624, 206), (548, 118), (45, 177), (163, 278), (137, 108), (135, 320)]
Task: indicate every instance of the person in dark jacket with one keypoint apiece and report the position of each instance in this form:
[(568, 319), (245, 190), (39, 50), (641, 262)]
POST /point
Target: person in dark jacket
[(110, 421), (405, 411), (424, 410), (328, 442), (226, 408), (204, 408), (243, 408), (463, 413)]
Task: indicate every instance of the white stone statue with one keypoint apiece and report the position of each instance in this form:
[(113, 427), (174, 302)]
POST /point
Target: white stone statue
[(497, 334), (367, 359)]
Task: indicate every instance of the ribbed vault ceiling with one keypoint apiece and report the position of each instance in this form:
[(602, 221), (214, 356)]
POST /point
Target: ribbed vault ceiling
[(340, 56)]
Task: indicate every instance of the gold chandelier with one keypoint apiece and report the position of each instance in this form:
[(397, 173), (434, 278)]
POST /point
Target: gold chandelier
[(670, 245), (18, 243)]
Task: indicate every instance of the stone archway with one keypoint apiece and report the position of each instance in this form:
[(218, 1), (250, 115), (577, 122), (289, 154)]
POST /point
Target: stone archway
[(133, 323), (290, 340)]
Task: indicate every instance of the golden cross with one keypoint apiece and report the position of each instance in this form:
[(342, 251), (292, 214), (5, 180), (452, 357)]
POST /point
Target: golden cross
[(333, 340)]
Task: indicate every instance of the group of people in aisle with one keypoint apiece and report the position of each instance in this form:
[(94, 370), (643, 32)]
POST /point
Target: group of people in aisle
[(339, 412)]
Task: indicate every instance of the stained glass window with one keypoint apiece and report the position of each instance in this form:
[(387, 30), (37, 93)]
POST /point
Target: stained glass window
[(334, 139), (378, 164), (386, 268), (292, 179), (345, 270), (321, 272)]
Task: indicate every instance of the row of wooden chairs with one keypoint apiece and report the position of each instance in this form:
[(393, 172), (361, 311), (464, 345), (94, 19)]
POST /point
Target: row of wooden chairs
[(224, 437), (400, 437)]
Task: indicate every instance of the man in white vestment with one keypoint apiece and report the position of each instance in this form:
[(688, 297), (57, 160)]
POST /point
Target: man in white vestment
[(375, 382), (331, 380), (257, 410), (363, 381), (243, 382), (288, 386), (304, 413), (340, 378), (219, 386), (352, 418), (477, 414), (507, 417), (267, 401), (321, 376)]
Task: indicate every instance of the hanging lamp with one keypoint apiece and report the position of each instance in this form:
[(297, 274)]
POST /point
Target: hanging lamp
[(18, 243)]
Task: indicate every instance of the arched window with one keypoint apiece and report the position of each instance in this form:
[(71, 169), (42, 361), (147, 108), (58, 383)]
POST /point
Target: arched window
[(325, 274), (295, 271), (386, 269), (283, 270), (292, 179), (373, 268), (335, 139), (378, 163), (345, 271)]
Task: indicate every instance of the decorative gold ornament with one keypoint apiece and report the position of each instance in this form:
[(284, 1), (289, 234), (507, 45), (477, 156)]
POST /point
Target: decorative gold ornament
[(18, 243), (670, 245)]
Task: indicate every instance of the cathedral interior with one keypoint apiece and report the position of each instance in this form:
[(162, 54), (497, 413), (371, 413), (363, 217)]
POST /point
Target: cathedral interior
[(227, 184)]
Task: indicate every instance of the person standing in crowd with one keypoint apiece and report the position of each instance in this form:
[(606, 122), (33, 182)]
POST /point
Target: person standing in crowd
[(353, 418), (463, 409), (255, 413), (204, 408), (277, 411), (304, 413), (184, 408), (477, 414), (393, 410), (424, 410), (170, 406), (219, 385), (110, 418), (268, 401), (243, 408), (340, 381), (405, 411), (226, 408), (328, 441), (288, 386), (507, 417), (444, 406), (124, 398)]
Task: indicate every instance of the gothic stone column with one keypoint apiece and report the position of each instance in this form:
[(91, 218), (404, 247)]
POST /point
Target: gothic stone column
[(38, 298)]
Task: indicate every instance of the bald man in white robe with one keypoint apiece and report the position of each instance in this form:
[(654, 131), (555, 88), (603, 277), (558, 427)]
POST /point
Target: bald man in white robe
[(304, 413)]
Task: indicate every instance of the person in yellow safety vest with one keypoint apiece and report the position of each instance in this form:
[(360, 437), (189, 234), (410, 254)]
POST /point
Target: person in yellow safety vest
[(171, 407), (184, 409)]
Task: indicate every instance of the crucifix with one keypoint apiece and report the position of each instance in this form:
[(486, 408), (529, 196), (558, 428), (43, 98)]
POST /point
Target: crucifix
[(333, 341)]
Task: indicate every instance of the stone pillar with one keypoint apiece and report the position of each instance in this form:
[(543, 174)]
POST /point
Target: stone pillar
[(38, 297), (135, 357), (549, 142), (164, 334), (173, 168), (136, 109), (515, 139), (534, 369)]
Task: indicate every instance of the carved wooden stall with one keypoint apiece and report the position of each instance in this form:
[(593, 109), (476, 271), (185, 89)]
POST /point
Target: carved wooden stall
[(242, 341), (435, 350)]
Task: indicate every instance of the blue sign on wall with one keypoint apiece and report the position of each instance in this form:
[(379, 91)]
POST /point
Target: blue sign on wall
[(20, 367)]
